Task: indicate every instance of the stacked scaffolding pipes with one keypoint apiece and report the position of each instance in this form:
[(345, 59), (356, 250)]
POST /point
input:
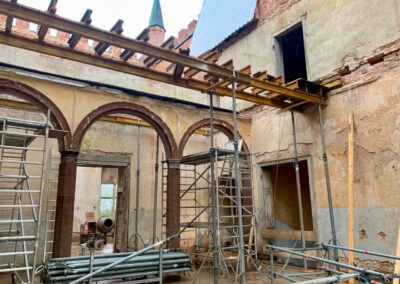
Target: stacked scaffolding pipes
[(69, 269)]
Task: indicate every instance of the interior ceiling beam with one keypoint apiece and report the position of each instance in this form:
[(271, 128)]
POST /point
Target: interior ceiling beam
[(70, 54), (80, 29)]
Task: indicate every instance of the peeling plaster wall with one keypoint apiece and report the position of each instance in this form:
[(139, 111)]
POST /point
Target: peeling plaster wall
[(377, 143), (337, 33)]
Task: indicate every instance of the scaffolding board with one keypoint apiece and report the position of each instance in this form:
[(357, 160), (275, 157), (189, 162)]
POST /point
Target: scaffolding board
[(23, 146)]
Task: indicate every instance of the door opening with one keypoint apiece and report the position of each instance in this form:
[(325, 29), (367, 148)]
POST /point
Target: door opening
[(292, 51)]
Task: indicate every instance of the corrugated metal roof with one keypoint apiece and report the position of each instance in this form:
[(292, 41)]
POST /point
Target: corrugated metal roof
[(219, 19)]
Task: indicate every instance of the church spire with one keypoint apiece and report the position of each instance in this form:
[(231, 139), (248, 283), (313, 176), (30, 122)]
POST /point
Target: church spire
[(156, 18)]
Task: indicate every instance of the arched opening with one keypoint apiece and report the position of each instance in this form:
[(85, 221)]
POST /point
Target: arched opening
[(118, 164), (199, 167), (33, 131)]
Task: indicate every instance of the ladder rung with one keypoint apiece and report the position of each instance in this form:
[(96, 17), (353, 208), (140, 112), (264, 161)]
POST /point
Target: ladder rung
[(18, 191), (16, 253), (15, 269), (18, 206), (21, 148), (20, 176), (17, 238), (9, 133), (17, 221), (20, 162)]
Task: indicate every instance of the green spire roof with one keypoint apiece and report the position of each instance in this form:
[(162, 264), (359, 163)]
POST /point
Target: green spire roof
[(156, 18)]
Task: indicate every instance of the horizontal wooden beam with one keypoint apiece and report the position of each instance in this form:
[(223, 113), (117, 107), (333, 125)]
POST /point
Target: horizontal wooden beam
[(70, 54), (68, 26)]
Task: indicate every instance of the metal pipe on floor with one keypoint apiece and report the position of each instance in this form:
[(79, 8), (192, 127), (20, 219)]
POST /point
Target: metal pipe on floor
[(366, 272), (137, 188), (298, 188), (155, 203), (133, 255), (238, 184), (328, 184), (331, 279)]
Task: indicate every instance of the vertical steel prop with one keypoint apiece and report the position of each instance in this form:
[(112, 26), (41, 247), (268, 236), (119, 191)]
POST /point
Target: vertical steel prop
[(137, 188), (328, 184), (238, 184), (298, 187), (214, 194)]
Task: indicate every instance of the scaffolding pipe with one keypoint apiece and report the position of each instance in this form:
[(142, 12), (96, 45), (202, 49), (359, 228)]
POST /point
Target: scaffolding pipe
[(155, 191), (331, 279), (213, 194), (111, 265), (238, 184), (298, 187), (328, 261), (362, 251), (137, 188), (328, 184)]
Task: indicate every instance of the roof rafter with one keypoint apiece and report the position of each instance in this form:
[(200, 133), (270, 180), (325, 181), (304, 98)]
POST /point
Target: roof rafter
[(211, 69)]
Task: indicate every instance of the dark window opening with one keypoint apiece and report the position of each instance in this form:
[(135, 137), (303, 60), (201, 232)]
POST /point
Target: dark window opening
[(293, 54)]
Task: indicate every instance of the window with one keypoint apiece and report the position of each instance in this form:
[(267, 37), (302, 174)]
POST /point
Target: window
[(33, 27), (53, 33), (108, 200), (14, 22), (292, 51)]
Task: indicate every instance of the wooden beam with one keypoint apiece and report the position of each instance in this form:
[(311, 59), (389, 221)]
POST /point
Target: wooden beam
[(9, 21), (101, 47), (70, 54), (62, 24), (127, 54), (86, 19), (287, 235), (52, 9), (178, 70), (350, 203)]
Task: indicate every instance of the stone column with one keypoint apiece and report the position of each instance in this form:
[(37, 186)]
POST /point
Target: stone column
[(65, 204), (173, 201)]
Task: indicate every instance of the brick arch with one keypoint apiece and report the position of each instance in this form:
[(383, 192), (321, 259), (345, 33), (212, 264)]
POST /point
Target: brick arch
[(132, 109), (219, 124), (43, 103)]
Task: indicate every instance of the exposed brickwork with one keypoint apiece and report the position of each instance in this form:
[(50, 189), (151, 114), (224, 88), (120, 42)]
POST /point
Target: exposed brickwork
[(156, 34), (267, 9)]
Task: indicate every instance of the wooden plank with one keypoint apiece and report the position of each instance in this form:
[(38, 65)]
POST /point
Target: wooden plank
[(287, 235), (251, 238), (350, 205), (397, 263)]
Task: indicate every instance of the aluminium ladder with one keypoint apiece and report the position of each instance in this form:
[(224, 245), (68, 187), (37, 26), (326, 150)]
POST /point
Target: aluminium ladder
[(22, 166)]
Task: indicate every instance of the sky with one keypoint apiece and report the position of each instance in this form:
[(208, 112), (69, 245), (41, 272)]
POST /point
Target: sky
[(177, 14)]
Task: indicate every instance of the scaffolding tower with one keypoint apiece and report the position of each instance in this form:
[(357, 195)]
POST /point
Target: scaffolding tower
[(23, 147), (210, 211)]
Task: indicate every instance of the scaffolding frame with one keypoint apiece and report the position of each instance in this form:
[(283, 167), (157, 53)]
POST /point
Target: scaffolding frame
[(215, 217), (21, 194), (328, 270)]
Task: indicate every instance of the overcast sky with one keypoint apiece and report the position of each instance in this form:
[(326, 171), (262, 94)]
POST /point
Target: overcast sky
[(136, 13)]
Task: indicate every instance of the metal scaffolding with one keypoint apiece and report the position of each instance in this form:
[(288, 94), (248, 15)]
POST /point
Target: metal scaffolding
[(23, 149), (211, 210)]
